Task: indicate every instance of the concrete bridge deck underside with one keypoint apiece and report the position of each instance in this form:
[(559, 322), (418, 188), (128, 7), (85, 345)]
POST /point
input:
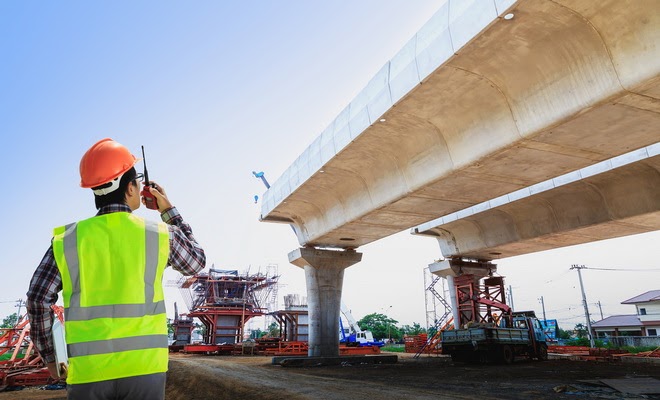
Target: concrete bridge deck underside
[(616, 202), (460, 117)]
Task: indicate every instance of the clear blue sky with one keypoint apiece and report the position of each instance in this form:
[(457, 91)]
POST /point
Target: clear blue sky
[(215, 90)]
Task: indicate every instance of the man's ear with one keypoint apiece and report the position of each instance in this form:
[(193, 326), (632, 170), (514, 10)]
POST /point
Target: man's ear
[(131, 189)]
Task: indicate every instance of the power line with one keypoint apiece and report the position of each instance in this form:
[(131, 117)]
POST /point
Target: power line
[(578, 316), (624, 270), (559, 276), (542, 280), (569, 308)]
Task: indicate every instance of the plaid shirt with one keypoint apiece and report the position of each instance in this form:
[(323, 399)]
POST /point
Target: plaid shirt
[(186, 256)]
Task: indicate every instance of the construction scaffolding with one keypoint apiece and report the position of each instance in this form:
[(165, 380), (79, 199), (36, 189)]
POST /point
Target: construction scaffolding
[(293, 321), (438, 316), (224, 300), (438, 309), (182, 329)]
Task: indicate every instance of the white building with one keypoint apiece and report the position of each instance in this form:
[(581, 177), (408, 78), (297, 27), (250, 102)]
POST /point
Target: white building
[(645, 322)]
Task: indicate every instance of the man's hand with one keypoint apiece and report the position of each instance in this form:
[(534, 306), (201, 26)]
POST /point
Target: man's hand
[(52, 368), (160, 195)]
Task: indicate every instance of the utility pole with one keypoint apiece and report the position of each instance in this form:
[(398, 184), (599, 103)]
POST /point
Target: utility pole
[(543, 306), (19, 303), (601, 310), (511, 297), (584, 302), (389, 325)]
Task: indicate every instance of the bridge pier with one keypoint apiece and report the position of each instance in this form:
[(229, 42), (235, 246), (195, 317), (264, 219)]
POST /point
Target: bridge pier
[(453, 267), (324, 275)]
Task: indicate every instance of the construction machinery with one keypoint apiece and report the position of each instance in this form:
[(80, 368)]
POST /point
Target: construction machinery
[(487, 343), (352, 335), (488, 329)]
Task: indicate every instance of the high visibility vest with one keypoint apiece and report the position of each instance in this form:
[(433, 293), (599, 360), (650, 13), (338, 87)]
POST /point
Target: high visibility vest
[(115, 323)]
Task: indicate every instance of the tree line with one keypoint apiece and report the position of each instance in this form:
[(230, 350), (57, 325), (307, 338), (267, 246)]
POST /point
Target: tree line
[(380, 325)]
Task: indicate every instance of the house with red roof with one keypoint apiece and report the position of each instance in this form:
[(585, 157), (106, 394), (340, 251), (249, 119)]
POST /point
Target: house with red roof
[(645, 322)]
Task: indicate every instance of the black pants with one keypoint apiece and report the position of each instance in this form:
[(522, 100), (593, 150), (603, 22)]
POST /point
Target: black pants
[(143, 387)]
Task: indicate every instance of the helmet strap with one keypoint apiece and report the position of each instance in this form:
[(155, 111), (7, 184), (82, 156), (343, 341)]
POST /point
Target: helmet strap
[(107, 187)]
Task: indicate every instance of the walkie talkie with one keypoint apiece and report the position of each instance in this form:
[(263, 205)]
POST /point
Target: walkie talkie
[(149, 199)]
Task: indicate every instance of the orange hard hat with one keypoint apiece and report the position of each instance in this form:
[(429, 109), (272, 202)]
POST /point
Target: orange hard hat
[(105, 161)]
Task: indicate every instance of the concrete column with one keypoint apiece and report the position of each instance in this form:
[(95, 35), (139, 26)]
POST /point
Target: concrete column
[(453, 301), (324, 275)]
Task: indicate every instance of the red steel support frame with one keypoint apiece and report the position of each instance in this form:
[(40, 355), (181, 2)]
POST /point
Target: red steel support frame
[(210, 317), (25, 366), (477, 302)]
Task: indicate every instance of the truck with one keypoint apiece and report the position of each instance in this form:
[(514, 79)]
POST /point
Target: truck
[(516, 334), (352, 335)]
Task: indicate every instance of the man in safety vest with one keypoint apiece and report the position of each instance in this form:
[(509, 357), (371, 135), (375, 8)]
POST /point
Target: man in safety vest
[(109, 269)]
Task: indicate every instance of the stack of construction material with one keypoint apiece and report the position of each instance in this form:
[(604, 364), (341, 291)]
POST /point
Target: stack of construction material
[(414, 344), (644, 354), (20, 364)]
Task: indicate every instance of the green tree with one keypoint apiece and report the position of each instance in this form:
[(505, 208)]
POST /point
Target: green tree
[(256, 333), (562, 334), (10, 321), (274, 330), (580, 330), (432, 331), (381, 326), (394, 333), (199, 329), (413, 330)]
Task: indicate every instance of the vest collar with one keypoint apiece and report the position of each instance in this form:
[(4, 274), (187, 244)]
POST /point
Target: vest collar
[(113, 208)]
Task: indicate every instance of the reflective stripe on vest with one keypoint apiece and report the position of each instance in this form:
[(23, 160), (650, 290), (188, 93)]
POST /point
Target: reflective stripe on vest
[(115, 323), (115, 345)]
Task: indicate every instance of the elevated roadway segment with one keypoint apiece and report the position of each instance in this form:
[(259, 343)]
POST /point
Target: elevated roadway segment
[(613, 198), (489, 97), (476, 106)]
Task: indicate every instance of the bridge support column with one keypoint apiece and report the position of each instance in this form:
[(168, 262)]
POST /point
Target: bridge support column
[(324, 275), (454, 267)]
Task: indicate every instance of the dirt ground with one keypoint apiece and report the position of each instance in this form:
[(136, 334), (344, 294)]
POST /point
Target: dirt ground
[(224, 377)]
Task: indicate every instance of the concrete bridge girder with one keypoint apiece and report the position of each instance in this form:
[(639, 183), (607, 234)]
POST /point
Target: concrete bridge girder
[(566, 82), (615, 203)]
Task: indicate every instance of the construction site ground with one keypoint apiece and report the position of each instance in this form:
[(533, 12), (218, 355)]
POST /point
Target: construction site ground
[(254, 377)]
